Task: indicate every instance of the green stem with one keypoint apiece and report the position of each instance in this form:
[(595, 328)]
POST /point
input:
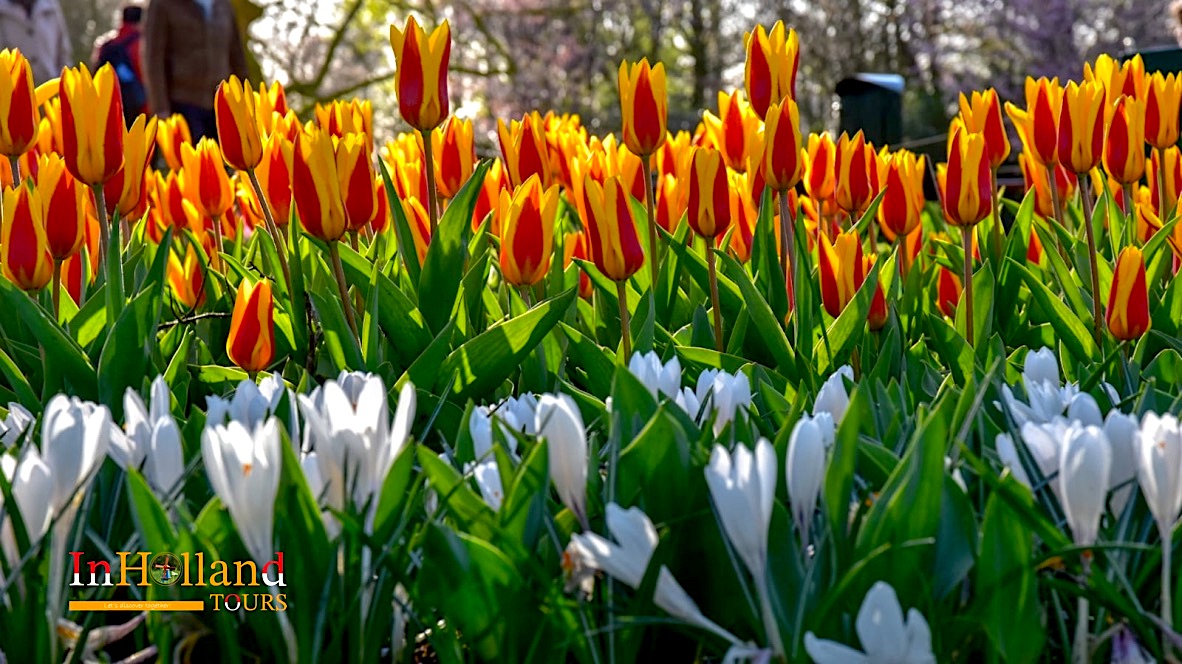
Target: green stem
[(57, 287), (1167, 612), (996, 234), (710, 263), (625, 331), (1080, 648), (432, 192), (967, 236), (650, 197), (100, 206), (1057, 208), (334, 253), (272, 227), (1085, 194), (788, 240), (15, 162)]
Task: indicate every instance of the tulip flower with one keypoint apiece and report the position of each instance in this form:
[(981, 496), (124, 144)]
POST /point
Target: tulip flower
[(92, 118), (454, 144), (853, 190), (1163, 96), (804, 469), (619, 161), (1124, 142), (274, 175), (948, 290), (315, 187), (643, 106), (171, 134), (381, 220), (152, 439), (743, 217), (355, 171), (743, 489), (523, 147), (734, 131), (1159, 472), (270, 105), (527, 218), (206, 182), (341, 118), (673, 156), (1038, 124), (611, 230), (559, 422), (421, 79), (820, 167), (1118, 78), (235, 108), (243, 467), (251, 344), (671, 202), (709, 215), (884, 634), (24, 251), (187, 279), (1036, 179), (420, 226), (66, 202), (770, 70), (125, 192), (1128, 300), (1165, 177), (1148, 223), (901, 175), (489, 196), (1081, 127), (841, 271), (981, 114), (966, 195), (782, 146), (19, 120)]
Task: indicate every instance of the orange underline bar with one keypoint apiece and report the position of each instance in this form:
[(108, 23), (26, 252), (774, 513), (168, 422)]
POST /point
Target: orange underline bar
[(117, 605)]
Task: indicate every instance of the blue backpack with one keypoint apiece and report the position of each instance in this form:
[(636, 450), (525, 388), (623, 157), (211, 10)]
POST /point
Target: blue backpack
[(117, 52)]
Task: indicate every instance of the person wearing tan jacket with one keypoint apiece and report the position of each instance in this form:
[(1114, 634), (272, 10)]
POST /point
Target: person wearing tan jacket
[(38, 29), (189, 47)]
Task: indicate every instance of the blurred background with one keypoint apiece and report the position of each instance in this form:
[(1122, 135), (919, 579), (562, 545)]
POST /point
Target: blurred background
[(514, 55)]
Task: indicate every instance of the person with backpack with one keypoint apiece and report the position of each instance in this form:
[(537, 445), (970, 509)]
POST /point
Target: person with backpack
[(123, 52)]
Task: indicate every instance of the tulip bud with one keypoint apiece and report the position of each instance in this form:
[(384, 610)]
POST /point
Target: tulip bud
[(24, 254), (455, 150), (841, 270), (527, 218), (1128, 301), (559, 422), (804, 469), (355, 172), (1162, 100), (19, 120), (1084, 466), (66, 201), (1038, 124), (315, 186), (1124, 143), (615, 247), (709, 194), (235, 109), (734, 131), (876, 317), (1036, 178), (673, 156), (125, 191), (901, 175), (743, 216), (421, 79), (523, 147), (770, 69), (205, 181), (852, 158), (1118, 78), (643, 106), (342, 118), (420, 226), (1081, 126), (490, 195), (270, 105), (967, 195), (947, 291), (819, 165), (251, 344), (274, 174), (187, 279), (1170, 160), (982, 115), (781, 146), (671, 202), (171, 134), (92, 117)]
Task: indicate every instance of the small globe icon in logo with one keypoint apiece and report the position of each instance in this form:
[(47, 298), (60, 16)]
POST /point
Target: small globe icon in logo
[(165, 569)]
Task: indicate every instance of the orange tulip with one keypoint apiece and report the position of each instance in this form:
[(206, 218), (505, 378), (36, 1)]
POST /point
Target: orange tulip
[(852, 159), (901, 175), (315, 186), (770, 70), (566, 139), (455, 148), (251, 344), (125, 191), (205, 181), (743, 215), (65, 201), (947, 291), (1148, 221), (670, 204), (171, 134), (1128, 301), (24, 251), (734, 131), (643, 106), (341, 118), (673, 155), (270, 106), (381, 220), (19, 119), (404, 155), (355, 172), (527, 219), (171, 193), (615, 247), (490, 194), (1035, 176), (1038, 124), (523, 147), (1081, 126), (819, 166), (981, 114), (708, 206), (1124, 149), (92, 121), (235, 109), (1162, 100), (1118, 78), (842, 270), (274, 174), (187, 279), (966, 193), (420, 226), (1171, 161), (782, 146), (421, 79)]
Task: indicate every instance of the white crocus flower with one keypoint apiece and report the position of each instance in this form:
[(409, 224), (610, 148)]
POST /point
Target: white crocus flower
[(726, 394), (1126, 650), (15, 424), (1085, 464), (660, 378), (75, 436), (244, 467), (886, 638), (1007, 453), (1041, 366), (804, 470), (32, 489), (627, 559), (1123, 432), (1044, 441), (252, 403), (558, 421), (151, 439), (1084, 409), (833, 398), (1159, 468), (517, 413), (484, 469)]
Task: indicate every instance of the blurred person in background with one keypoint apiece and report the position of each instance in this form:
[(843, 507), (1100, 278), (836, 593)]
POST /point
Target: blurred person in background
[(189, 47), (122, 50), (38, 29)]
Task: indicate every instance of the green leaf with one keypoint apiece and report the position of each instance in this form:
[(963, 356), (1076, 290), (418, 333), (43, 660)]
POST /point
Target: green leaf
[(1072, 332), (406, 238), (849, 326), (151, 521), (61, 352), (1007, 587), (443, 268), (397, 316), (125, 358), (766, 324), (338, 338)]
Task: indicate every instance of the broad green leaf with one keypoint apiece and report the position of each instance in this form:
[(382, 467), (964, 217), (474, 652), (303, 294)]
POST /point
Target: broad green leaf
[(443, 268)]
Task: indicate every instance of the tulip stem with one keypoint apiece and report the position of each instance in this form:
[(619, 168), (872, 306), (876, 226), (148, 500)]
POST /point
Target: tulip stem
[(966, 233), (15, 162), (1056, 202), (272, 227), (1131, 210), (710, 262), (1162, 213), (432, 192), (1080, 654), (788, 254), (57, 287), (625, 329), (1097, 330), (1167, 612), (216, 258), (650, 197), (995, 236), (334, 253), (100, 207)]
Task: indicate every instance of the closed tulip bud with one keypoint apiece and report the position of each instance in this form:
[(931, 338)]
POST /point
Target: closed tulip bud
[(527, 218), (19, 120), (251, 344), (619, 161), (981, 114), (381, 220), (1124, 144), (734, 131), (92, 120), (853, 189), (455, 149), (171, 134), (876, 318), (1038, 124), (205, 181), (125, 191), (523, 147), (1084, 466), (187, 279), (1118, 78), (270, 106), (782, 146), (24, 253), (615, 247), (490, 195), (341, 118), (842, 271), (673, 156), (50, 135), (967, 197), (420, 226), (643, 106), (1170, 160), (65, 201), (671, 202), (709, 194), (1128, 301), (1081, 126), (421, 79), (770, 70), (1148, 222), (315, 186), (947, 291), (274, 174), (1162, 100), (235, 109), (356, 175), (901, 175), (1036, 178), (820, 167), (743, 216), (804, 469)]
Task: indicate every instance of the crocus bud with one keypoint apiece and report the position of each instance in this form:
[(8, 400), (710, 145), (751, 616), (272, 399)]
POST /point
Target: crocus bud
[(527, 218), (743, 489), (251, 344), (804, 470), (559, 422), (1128, 300), (832, 398), (1159, 468), (1084, 466), (19, 120), (1124, 143), (643, 106), (421, 79), (244, 468), (92, 121), (709, 194)]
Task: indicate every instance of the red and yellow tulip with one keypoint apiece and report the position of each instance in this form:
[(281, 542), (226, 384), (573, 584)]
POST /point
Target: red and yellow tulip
[(455, 149), (643, 106), (947, 291), (171, 134), (355, 172), (967, 198), (842, 270), (901, 175), (734, 131), (1169, 161), (125, 191), (1124, 143), (315, 187), (770, 70), (1038, 123), (274, 174), (24, 251), (421, 78), (981, 113), (65, 201), (92, 123), (523, 147), (1163, 96), (527, 218), (819, 157), (782, 146), (1128, 301), (1035, 176), (235, 109), (611, 230), (708, 205), (852, 158), (670, 204), (20, 123), (186, 278), (251, 344), (1118, 78), (1081, 127), (205, 180)]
